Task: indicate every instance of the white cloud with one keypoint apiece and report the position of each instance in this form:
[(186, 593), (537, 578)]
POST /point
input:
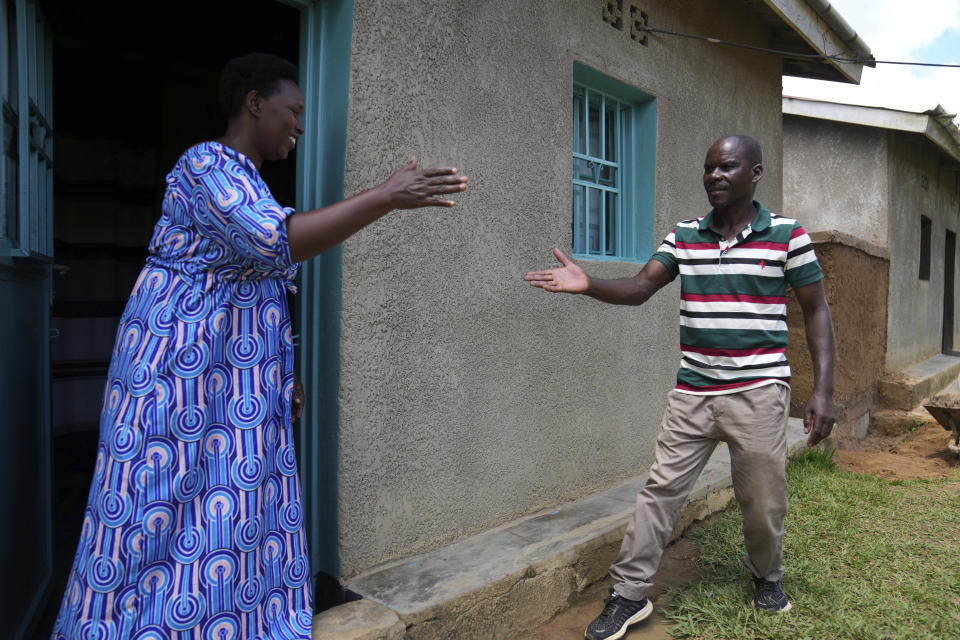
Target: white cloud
[(897, 30)]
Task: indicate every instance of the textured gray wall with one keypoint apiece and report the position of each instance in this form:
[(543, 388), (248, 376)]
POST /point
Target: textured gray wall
[(922, 182), (835, 178), (467, 397)]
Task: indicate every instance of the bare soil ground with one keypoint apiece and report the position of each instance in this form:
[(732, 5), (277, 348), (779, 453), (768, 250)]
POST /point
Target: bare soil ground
[(920, 453), (676, 568)]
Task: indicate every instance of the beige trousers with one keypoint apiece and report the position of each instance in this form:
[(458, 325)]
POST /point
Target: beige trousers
[(753, 424)]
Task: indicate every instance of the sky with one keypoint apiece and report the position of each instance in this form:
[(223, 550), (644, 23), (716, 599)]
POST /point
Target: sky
[(911, 30)]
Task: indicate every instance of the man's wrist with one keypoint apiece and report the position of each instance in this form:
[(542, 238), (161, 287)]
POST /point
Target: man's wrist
[(590, 287)]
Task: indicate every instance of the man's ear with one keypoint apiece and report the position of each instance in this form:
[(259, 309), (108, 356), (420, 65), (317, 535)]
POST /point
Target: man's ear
[(757, 173)]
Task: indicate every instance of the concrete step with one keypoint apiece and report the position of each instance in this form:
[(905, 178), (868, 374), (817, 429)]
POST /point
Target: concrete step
[(506, 581), (905, 390), (358, 620)]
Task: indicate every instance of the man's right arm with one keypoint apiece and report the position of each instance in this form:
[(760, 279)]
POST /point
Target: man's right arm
[(571, 278)]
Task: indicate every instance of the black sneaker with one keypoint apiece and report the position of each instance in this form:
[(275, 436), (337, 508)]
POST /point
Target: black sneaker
[(769, 596), (618, 614)]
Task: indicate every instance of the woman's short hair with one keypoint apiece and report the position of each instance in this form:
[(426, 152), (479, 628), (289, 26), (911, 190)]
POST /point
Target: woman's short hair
[(260, 72)]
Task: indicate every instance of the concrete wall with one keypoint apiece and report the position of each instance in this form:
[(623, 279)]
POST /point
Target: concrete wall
[(922, 182), (467, 397), (833, 177)]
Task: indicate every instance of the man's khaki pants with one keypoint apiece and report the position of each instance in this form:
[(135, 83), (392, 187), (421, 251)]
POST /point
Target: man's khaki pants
[(753, 424)]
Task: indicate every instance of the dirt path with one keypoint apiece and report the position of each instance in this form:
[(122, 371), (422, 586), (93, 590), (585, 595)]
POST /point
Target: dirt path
[(676, 568), (921, 453)]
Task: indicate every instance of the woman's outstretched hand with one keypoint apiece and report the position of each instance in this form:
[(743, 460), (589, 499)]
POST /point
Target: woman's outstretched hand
[(411, 187), (569, 278), (313, 232)]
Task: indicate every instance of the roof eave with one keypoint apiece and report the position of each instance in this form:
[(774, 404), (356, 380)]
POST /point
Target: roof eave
[(826, 33), (935, 125)]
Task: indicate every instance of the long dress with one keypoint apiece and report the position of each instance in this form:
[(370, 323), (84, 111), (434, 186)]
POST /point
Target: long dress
[(194, 523)]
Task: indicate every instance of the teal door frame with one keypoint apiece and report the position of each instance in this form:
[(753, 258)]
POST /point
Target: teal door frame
[(326, 30)]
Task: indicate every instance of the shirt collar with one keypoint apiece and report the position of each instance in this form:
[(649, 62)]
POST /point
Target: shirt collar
[(760, 222)]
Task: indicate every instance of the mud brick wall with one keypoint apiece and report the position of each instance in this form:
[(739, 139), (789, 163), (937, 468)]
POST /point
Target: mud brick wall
[(856, 275)]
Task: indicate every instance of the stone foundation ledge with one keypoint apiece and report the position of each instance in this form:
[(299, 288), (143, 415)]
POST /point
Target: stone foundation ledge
[(506, 581), (359, 620), (906, 389)]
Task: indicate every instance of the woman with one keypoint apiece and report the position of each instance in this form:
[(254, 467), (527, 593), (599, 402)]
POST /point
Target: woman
[(194, 523)]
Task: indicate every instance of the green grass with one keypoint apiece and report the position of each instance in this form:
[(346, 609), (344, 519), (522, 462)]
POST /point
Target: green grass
[(914, 425), (866, 559)]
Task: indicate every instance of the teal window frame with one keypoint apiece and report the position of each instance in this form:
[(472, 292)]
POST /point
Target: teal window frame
[(26, 203), (614, 165)]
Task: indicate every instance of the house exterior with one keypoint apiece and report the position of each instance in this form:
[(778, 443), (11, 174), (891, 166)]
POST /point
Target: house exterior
[(879, 190), (467, 398), (445, 396)]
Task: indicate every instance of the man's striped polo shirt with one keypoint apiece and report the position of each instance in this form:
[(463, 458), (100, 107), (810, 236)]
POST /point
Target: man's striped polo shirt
[(733, 299)]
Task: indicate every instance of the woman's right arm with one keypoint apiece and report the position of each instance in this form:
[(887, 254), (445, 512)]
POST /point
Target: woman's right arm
[(312, 232)]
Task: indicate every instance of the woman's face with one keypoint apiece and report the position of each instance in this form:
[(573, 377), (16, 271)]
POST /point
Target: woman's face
[(280, 121)]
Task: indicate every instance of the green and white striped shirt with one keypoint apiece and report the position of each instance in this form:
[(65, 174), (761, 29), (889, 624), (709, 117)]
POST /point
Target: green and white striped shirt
[(733, 299)]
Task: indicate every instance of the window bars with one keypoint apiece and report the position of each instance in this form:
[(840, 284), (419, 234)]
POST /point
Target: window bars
[(598, 181)]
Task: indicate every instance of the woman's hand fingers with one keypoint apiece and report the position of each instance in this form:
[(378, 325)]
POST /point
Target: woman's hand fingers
[(446, 179), (439, 189), (439, 202), (411, 187), (439, 171)]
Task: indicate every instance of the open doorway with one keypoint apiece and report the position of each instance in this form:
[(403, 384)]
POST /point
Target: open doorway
[(131, 91)]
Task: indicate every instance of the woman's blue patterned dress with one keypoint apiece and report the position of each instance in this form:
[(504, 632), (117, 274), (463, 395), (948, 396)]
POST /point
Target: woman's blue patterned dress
[(194, 525)]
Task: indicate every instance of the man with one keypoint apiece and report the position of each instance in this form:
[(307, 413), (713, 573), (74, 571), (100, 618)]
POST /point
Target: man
[(733, 384)]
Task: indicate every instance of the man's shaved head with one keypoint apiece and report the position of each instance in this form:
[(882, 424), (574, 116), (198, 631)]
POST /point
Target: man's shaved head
[(750, 147)]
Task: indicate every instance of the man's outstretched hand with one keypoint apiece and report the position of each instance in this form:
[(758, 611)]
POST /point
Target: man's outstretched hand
[(569, 278), (818, 418)]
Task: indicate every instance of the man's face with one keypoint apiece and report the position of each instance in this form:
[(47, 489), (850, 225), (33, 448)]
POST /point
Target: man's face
[(729, 176)]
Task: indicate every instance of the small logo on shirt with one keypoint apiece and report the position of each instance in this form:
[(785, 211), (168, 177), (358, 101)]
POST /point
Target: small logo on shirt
[(763, 263)]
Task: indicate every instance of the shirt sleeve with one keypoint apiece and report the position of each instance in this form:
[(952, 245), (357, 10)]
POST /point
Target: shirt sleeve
[(667, 254), (229, 206), (802, 267)]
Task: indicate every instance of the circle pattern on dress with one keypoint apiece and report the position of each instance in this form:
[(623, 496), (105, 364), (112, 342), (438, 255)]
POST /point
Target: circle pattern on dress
[(194, 524)]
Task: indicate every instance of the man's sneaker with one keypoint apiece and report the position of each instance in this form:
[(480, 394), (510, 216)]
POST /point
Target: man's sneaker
[(618, 614), (769, 596)]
